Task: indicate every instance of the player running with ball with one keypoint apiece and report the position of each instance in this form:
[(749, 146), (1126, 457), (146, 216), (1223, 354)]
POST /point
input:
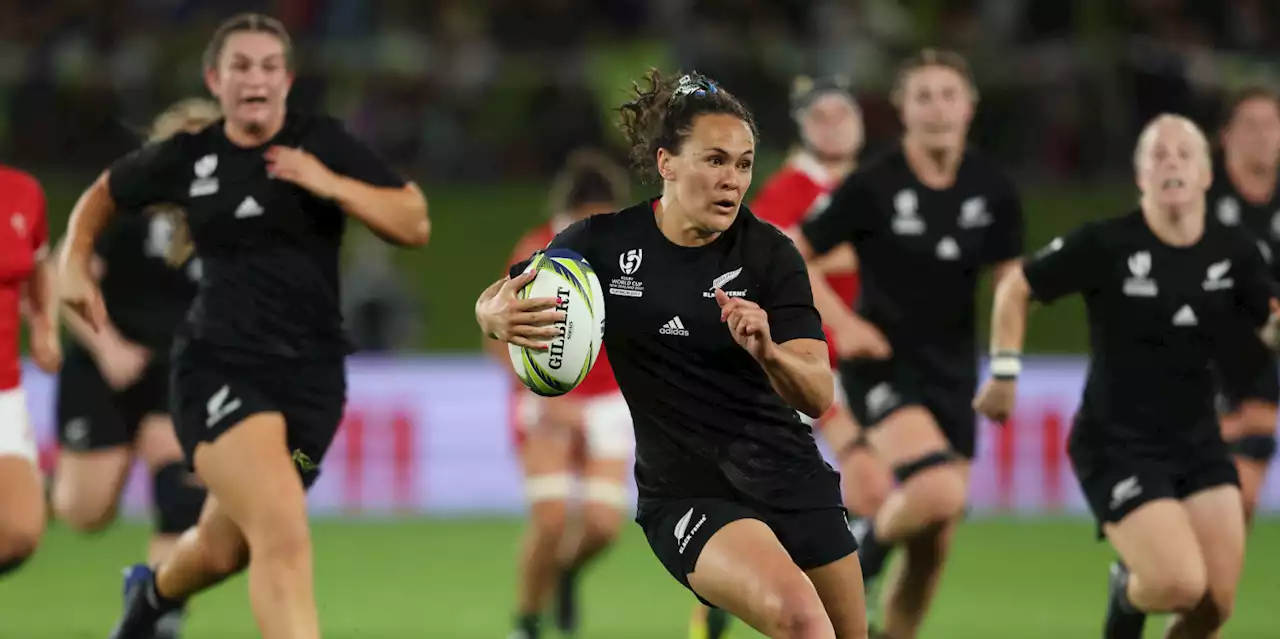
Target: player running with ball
[(1166, 296), (715, 342)]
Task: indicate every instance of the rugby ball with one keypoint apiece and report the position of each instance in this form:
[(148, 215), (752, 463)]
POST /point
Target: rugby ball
[(559, 369)]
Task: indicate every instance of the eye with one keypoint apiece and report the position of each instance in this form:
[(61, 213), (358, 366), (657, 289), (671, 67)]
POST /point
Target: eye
[(745, 165), (716, 160)]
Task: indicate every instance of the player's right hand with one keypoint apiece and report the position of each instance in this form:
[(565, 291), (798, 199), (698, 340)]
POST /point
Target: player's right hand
[(526, 323), (860, 339), (122, 363), (79, 291), (996, 398)]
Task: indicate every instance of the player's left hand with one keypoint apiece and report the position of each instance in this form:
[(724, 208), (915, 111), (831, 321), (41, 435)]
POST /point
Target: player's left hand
[(748, 324), (301, 168), (1270, 332), (996, 398)]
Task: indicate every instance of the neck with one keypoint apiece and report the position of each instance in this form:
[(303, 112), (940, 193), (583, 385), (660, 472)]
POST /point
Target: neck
[(839, 168), (1256, 181), (936, 167), (674, 223), (252, 135), (1175, 225)]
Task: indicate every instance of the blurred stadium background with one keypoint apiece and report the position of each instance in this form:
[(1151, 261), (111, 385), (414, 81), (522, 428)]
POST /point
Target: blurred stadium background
[(479, 100)]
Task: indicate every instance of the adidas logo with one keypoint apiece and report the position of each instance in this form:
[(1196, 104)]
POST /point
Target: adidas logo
[(1185, 317), (248, 208), (674, 327)]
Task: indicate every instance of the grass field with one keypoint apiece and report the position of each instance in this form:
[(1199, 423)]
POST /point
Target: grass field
[(453, 579)]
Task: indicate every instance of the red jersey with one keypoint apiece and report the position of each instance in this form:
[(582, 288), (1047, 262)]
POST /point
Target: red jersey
[(600, 380), (23, 237), (802, 188)]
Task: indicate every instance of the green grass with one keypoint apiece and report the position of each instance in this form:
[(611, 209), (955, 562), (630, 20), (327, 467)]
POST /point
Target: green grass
[(454, 579)]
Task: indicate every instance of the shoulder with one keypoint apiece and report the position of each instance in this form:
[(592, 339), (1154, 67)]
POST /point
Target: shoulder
[(317, 126), (984, 169), (760, 239), (16, 179), (1235, 239)]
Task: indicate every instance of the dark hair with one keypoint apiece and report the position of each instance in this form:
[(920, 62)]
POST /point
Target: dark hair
[(931, 58), (806, 90), (1247, 93), (661, 115), (588, 177), (247, 23)]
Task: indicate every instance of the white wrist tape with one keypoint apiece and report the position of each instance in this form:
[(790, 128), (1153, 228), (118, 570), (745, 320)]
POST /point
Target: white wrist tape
[(1006, 366)]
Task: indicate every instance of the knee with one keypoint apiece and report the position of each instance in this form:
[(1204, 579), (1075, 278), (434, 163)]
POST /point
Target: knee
[(221, 556), (601, 525), (17, 544), (285, 538), (82, 513), (936, 486), (795, 611), (1178, 590)]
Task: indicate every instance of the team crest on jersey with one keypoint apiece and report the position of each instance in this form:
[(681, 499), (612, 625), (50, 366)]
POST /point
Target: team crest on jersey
[(1216, 279), (205, 183), (627, 286), (974, 214), (1139, 284), (721, 281), (906, 219), (1228, 211)]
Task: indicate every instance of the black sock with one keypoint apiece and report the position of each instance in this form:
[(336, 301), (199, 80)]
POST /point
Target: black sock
[(567, 601), (160, 602), (717, 623), (1124, 620), (872, 553), (530, 625)]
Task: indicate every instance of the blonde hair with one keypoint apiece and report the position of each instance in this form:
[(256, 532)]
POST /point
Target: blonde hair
[(182, 115), (1148, 136)]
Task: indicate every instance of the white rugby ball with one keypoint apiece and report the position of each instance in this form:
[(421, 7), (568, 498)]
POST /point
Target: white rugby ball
[(559, 369)]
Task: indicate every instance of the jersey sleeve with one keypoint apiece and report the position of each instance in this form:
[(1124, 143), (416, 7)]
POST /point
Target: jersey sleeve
[(845, 218), (147, 175), (350, 157), (1253, 296), (575, 238), (1068, 264), (1006, 235), (788, 298)]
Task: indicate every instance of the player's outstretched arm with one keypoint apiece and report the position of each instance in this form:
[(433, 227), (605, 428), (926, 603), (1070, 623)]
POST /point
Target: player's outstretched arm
[(1008, 329), (77, 288), (397, 214)]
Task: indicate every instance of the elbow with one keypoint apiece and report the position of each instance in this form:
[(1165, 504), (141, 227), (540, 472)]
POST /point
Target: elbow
[(419, 232), (822, 397)]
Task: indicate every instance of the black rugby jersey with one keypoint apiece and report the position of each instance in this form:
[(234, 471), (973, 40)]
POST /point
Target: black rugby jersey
[(921, 250), (707, 421), (269, 249), (1159, 316), (146, 296)]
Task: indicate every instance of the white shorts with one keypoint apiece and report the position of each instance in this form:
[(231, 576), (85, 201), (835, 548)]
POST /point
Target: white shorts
[(16, 435), (608, 423), (839, 400)]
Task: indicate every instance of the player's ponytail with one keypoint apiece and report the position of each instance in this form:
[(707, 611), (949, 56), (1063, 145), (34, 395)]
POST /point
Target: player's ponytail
[(661, 113)]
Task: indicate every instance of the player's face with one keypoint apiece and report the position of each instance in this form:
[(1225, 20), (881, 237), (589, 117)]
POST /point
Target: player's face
[(1173, 168), (252, 79), (832, 127), (1254, 132), (937, 107), (713, 171)]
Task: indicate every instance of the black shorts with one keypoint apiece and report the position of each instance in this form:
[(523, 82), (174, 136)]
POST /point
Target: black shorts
[(1116, 483), (210, 396), (678, 529), (92, 416), (878, 388)]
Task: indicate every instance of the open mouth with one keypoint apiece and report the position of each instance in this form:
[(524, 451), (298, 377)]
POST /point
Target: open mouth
[(725, 205), (1172, 183), (257, 99)]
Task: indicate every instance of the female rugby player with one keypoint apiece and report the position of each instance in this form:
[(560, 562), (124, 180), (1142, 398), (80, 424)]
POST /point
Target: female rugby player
[(113, 391), (575, 449), (926, 221), (258, 382), (716, 344), (25, 289), (831, 135), (1165, 295), (1244, 194)]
